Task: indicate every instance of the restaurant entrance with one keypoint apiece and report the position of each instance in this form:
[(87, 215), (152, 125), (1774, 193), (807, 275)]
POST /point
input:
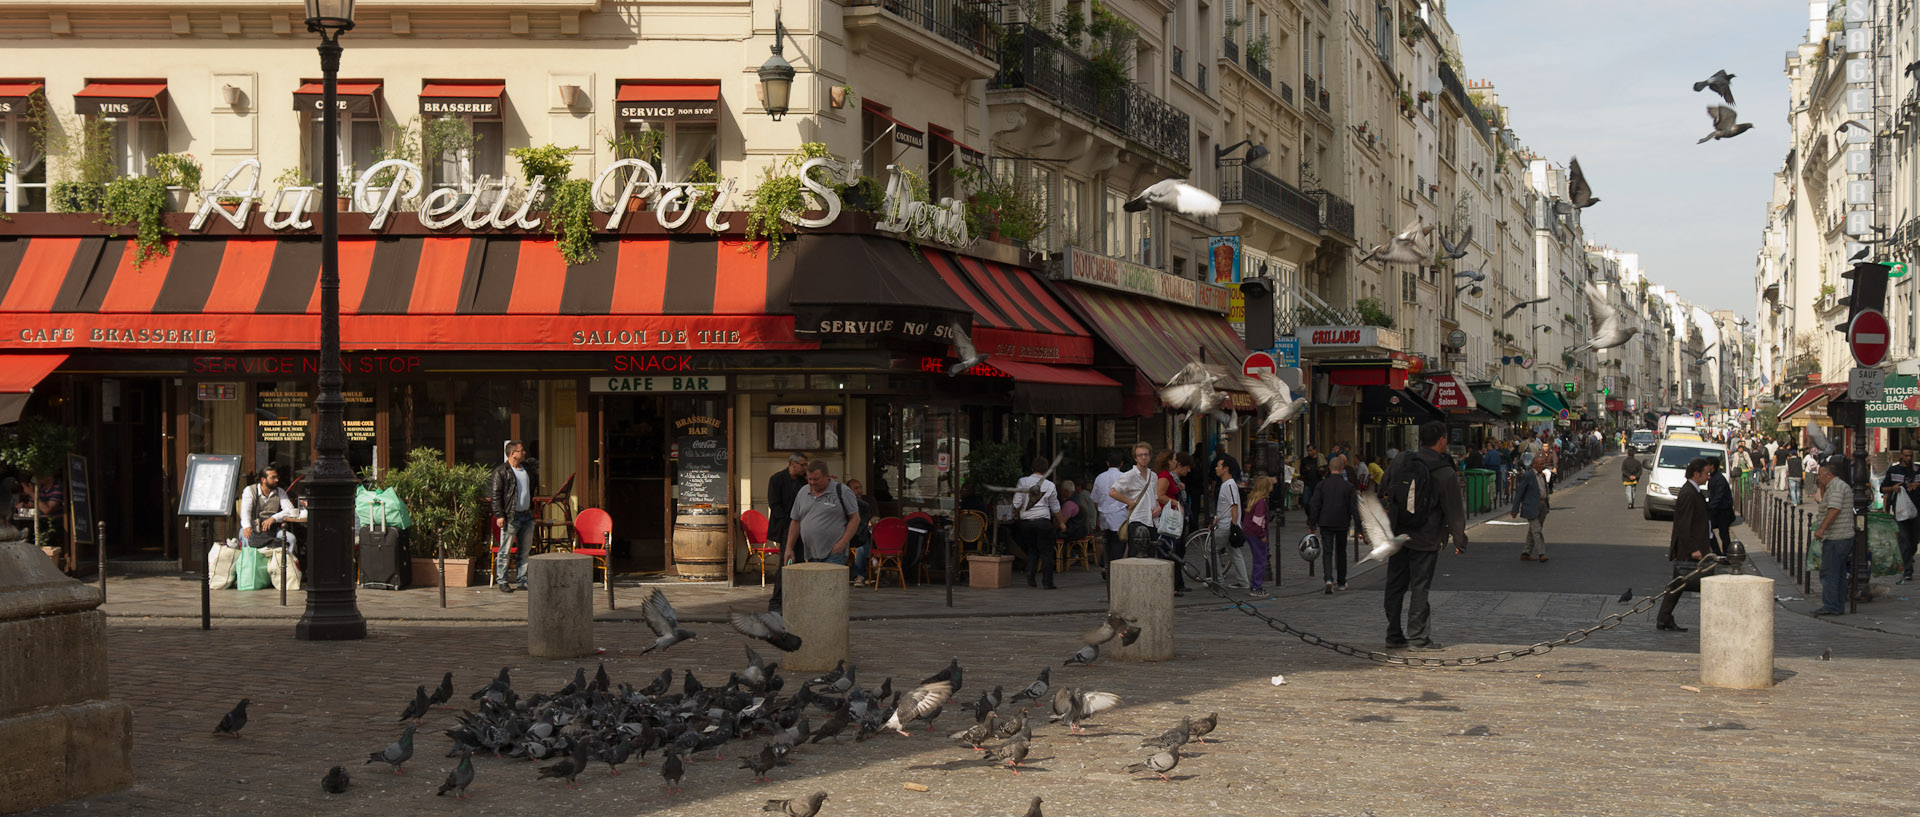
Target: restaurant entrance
[(666, 472)]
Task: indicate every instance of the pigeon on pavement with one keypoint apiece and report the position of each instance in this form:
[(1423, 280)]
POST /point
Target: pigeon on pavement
[(235, 720), (417, 709), (1721, 82), (336, 781), (950, 674), (1084, 705), (798, 806), (443, 693), (1159, 763), (1172, 738), (1204, 726), (671, 770), (1085, 656), (761, 763), (569, 767), (1033, 809), (1012, 753), (397, 753), (1724, 126), (768, 626), (459, 778), (1175, 195), (1036, 690), (665, 624), (919, 703), (1626, 595)]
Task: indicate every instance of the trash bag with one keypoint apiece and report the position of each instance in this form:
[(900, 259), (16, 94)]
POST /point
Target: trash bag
[(380, 509)]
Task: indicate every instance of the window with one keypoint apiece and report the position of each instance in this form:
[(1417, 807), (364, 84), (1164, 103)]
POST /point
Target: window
[(884, 139), (136, 140), (685, 144), (461, 149), (354, 147), (804, 428), (24, 188), (1113, 225), (1073, 194)]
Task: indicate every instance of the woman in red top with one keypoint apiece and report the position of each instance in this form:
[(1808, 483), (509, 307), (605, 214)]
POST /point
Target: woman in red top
[(1172, 467)]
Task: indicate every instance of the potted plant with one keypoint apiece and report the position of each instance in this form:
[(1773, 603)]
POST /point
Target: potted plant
[(839, 95), (781, 196), (992, 464), (180, 172), (643, 145), (141, 201), (38, 447), (447, 506), (1425, 97), (1001, 206)]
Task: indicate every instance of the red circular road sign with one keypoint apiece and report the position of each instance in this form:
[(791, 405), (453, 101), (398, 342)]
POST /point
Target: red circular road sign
[(1259, 363), (1868, 334)]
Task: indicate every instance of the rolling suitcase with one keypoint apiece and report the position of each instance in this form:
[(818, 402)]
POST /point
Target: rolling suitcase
[(383, 556)]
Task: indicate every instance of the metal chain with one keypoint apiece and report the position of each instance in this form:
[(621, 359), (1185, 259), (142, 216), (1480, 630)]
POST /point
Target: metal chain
[(1676, 585)]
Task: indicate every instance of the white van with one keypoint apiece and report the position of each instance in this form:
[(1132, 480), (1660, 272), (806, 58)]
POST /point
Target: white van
[(1669, 469), (1679, 422)]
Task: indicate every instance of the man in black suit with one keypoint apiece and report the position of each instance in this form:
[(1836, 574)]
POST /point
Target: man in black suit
[(1691, 540)]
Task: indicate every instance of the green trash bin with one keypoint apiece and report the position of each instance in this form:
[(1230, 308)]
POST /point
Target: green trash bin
[(1479, 490)]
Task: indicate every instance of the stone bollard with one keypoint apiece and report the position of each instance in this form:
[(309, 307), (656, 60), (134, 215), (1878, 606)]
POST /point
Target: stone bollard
[(559, 605), (1736, 632), (815, 607), (1143, 591)]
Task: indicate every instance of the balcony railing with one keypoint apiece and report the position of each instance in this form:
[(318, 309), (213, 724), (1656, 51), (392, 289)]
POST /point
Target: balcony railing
[(1326, 100), (1251, 185), (1451, 82), (1037, 62), (1179, 62), (1264, 73), (972, 26), (1336, 213), (1286, 92), (1200, 75), (1307, 85), (1230, 48)]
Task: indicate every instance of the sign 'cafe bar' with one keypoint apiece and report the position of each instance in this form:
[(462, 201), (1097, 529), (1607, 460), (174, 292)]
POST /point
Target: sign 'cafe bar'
[(664, 379)]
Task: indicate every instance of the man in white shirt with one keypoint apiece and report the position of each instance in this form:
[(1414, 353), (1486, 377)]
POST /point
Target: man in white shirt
[(1136, 489), (1111, 513), (1036, 503)]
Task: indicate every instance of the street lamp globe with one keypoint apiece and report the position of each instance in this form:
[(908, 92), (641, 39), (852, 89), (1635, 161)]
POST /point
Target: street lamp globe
[(776, 74), (329, 16)]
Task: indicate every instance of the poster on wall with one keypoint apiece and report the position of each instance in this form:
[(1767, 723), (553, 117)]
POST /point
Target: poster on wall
[(702, 445), (1224, 252), (79, 500)]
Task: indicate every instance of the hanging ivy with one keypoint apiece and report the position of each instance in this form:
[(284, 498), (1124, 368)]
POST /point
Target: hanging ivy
[(781, 196), (570, 220), (141, 201)]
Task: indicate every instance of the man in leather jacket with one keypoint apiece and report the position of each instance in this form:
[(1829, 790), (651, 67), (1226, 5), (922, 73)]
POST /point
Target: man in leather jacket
[(512, 489)]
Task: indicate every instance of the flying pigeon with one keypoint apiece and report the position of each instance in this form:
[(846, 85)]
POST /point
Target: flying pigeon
[(1087, 655), (1175, 195), (1413, 245), (459, 778), (443, 693), (234, 721), (1275, 396), (336, 781), (1456, 251), (1083, 705), (1476, 275), (1037, 689), (1613, 330), (1195, 390), (1159, 763), (396, 754), (1521, 305), (417, 709), (1379, 532), (1578, 193), (964, 349), (1721, 82), (919, 703), (768, 626), (797, 807), (1114, 626), (1723, 125), (665, 624)]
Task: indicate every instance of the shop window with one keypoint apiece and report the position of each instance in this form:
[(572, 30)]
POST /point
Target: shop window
[(417, 418), (461, 149), (283, 421), (355, 148), (217, 421), (24, 187), (1113, 225), (553, 430), (362, 420), (481, 415), (804, 428), (137, 140), (684, 145)]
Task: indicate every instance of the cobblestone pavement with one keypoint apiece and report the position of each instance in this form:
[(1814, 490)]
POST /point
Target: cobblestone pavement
[(1606, 728)]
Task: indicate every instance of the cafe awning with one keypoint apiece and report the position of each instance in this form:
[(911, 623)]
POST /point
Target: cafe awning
[(1500, 400), (1015, 315), (1544, 405), (1161, 338), (1043, 389), (354, 97), (676, 100), (457, 97), (1816, 396), (18, 375), (903, 133), (14, 94), (121, 98), (1385, 406), (862, 287)]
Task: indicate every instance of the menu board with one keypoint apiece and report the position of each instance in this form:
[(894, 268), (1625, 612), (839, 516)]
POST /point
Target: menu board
[(282, 416), (79, 500), (210, 482), (703, 463)]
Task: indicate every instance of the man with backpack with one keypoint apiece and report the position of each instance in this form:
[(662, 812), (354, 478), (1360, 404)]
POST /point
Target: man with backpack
[(1425, 503)]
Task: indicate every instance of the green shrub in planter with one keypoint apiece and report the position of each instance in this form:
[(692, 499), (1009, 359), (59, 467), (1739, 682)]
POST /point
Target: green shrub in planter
[(447, 503)]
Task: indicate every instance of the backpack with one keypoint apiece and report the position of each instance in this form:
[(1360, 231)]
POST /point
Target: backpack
[(1411, 494)]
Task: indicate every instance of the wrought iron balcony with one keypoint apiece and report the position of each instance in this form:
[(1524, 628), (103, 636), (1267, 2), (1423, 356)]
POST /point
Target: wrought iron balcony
[(1307, 85), (1230, 48), (1179, 62), (1200, 76), (1264, 73), (972, 26), (1286, 92), (1336, 214), (1036, 62), (1326, 100), (1251, 185)]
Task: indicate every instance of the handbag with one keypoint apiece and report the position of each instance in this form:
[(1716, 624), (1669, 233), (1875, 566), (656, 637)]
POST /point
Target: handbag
[(1903, 508), (1235, 538), (220, 562), (250, 573), (1683, 568)]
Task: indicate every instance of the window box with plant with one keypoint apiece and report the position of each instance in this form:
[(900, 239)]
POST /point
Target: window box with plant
[(645, 145), (1373, 313), (781, 197), (568, 202), (1001, 206), (180, 172)]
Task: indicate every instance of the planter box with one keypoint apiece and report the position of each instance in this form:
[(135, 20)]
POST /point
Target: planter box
[(989, 572), (426, 572)]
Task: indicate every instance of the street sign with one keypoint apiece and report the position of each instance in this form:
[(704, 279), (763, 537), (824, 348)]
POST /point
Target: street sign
[(1867, 335), (1866, 384), (1258, 363)]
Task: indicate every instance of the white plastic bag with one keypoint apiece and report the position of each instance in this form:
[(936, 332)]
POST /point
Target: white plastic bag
[(221, 559), (1903, 508), (282, 568), (1170, 523)]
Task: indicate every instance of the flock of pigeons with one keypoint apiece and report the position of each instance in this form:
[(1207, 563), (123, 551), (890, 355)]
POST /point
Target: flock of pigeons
[(593, 721)]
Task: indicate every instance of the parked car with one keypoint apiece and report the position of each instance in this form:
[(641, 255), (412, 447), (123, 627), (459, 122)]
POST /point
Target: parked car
[(1642, 442), (1669, 469)]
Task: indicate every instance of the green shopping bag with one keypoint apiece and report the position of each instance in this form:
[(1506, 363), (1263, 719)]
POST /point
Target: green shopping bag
[(250, 573)]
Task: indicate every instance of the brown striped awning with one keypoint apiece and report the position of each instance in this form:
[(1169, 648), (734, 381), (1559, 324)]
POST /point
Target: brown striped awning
[(1016, 316), (1160, 338), (413, 292)]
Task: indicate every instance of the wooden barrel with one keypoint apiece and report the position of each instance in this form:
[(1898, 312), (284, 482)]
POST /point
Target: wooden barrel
[(700, 544)]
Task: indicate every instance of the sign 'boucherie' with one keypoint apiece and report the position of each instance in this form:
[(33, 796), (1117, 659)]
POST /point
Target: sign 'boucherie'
[(674, 203)]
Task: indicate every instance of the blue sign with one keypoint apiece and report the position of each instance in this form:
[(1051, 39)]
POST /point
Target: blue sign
[(1286, 353)]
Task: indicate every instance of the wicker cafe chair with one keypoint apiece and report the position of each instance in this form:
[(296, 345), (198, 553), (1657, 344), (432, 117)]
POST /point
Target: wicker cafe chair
[(889, 550), (555, 532), (754, 525), (969, 536)]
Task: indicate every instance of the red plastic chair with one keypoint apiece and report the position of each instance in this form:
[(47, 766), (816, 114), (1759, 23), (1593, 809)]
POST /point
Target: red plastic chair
[(754, 524), (594, 526), (889, 549)]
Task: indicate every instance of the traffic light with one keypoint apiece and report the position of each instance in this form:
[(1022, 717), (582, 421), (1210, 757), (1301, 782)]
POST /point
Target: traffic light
[(1869, 290), (1569, 388)]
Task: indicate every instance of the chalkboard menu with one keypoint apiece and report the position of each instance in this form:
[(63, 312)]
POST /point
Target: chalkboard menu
[(703, 463), (79, 500)]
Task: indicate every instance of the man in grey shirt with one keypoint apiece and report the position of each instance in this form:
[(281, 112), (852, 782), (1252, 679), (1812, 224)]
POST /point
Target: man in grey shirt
[(825, 517)]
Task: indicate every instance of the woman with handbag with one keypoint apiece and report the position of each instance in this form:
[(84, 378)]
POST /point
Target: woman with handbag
[(1171, 469)]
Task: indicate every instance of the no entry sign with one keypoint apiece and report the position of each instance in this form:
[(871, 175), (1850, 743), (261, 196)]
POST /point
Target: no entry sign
[(1258, 363), (1867, 335)]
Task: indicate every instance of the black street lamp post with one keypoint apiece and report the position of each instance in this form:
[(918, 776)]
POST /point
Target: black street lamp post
[(331, 614)]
